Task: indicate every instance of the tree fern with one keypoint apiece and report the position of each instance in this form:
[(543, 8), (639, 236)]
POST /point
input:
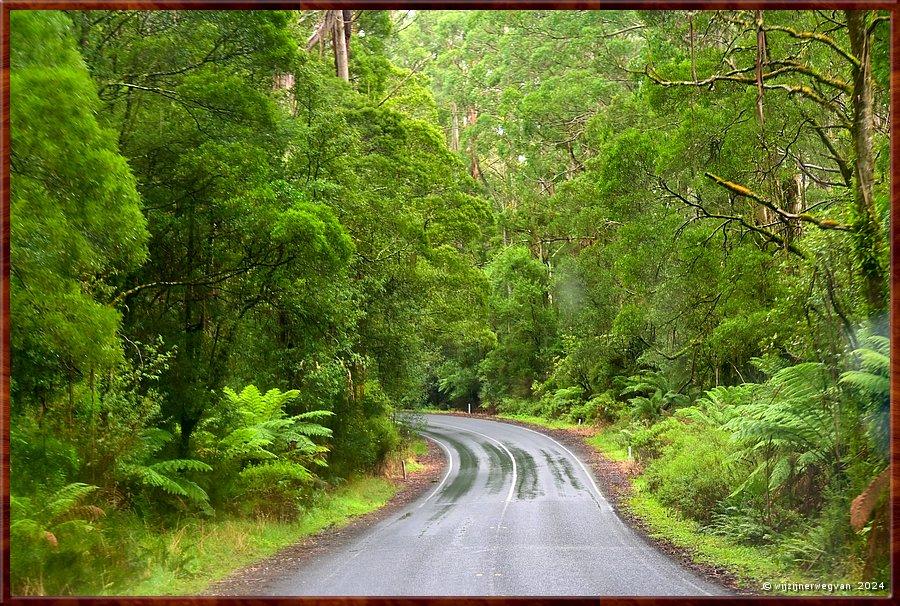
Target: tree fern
[(788, 426), (165, 475), (266, 429), (653, 395), (260, 452), (717, 406), (872, 382)]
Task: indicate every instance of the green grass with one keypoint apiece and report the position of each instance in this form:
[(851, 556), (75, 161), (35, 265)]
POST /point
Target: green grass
[(201, 553), (542, 422), (413, 466), (754, 565), (419, 448), (607, 444)]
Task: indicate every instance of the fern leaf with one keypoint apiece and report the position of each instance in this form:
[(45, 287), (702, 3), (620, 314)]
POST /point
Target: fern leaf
[(863, 505), (876, 385), (153, 478), (66, 498), (171, 466), (192, 490), (314, 414), (312, 429)]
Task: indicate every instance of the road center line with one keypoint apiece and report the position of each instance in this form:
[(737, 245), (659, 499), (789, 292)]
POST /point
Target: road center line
[(512, 489)]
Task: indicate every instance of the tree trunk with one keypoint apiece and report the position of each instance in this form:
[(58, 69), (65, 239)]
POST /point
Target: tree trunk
[(348, 19), (340, 47), (454, 130), (868, 245)]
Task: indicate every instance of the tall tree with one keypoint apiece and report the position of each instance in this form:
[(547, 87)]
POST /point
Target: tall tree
[(77, 216)]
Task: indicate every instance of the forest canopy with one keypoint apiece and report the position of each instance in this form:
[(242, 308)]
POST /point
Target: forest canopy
[(241, 241)]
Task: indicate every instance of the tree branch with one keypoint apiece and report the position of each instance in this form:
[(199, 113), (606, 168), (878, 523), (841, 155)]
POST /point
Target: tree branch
[(800, 36), (743, 191), (843, 165), (775, 239), (801, 90)]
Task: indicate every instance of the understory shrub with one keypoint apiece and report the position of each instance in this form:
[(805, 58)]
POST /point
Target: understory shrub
[(692, 473)]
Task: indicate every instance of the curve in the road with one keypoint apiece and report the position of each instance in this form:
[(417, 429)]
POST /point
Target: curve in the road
[(517, 513)]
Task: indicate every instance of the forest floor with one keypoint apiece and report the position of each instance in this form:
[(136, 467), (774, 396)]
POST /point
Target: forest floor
[(283, 563)]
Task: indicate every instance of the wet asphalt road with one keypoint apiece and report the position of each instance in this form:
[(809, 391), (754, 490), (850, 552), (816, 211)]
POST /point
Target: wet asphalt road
[(515, 514)]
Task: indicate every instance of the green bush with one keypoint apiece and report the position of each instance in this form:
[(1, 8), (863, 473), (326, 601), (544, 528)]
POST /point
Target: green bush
[(648, 441), (600, 408), (364, 434), (691, 473)]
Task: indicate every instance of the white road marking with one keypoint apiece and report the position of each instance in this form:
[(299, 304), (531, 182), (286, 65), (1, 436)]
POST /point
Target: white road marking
[(446, 475), (512, 489), (590, 478)]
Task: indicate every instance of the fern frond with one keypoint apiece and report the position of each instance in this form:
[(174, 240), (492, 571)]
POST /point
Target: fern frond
[(863, 505), (801, 381), (192, 491), (314, 414), (874, 384), (312, 429), (155, 438), (67, 497), (175, 465)]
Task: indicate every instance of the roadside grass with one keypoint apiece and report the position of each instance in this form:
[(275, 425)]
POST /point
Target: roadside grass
[(413, 466), (607, 444), (428, 410), (202, 552), (419, 447), (754, 565), (548, 423)]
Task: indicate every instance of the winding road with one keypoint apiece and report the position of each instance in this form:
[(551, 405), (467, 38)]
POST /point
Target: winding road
[(516, 514)]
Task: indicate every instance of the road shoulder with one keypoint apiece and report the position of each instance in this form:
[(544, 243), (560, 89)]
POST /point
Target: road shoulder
[(255, 578)]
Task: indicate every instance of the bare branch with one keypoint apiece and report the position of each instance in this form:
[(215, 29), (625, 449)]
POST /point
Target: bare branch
[(732, 76), (800, 36), (771, 237)]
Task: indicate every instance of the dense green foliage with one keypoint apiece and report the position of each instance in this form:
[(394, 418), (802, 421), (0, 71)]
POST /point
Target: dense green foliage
[(691, 250), (201, 208), (237, 249)]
